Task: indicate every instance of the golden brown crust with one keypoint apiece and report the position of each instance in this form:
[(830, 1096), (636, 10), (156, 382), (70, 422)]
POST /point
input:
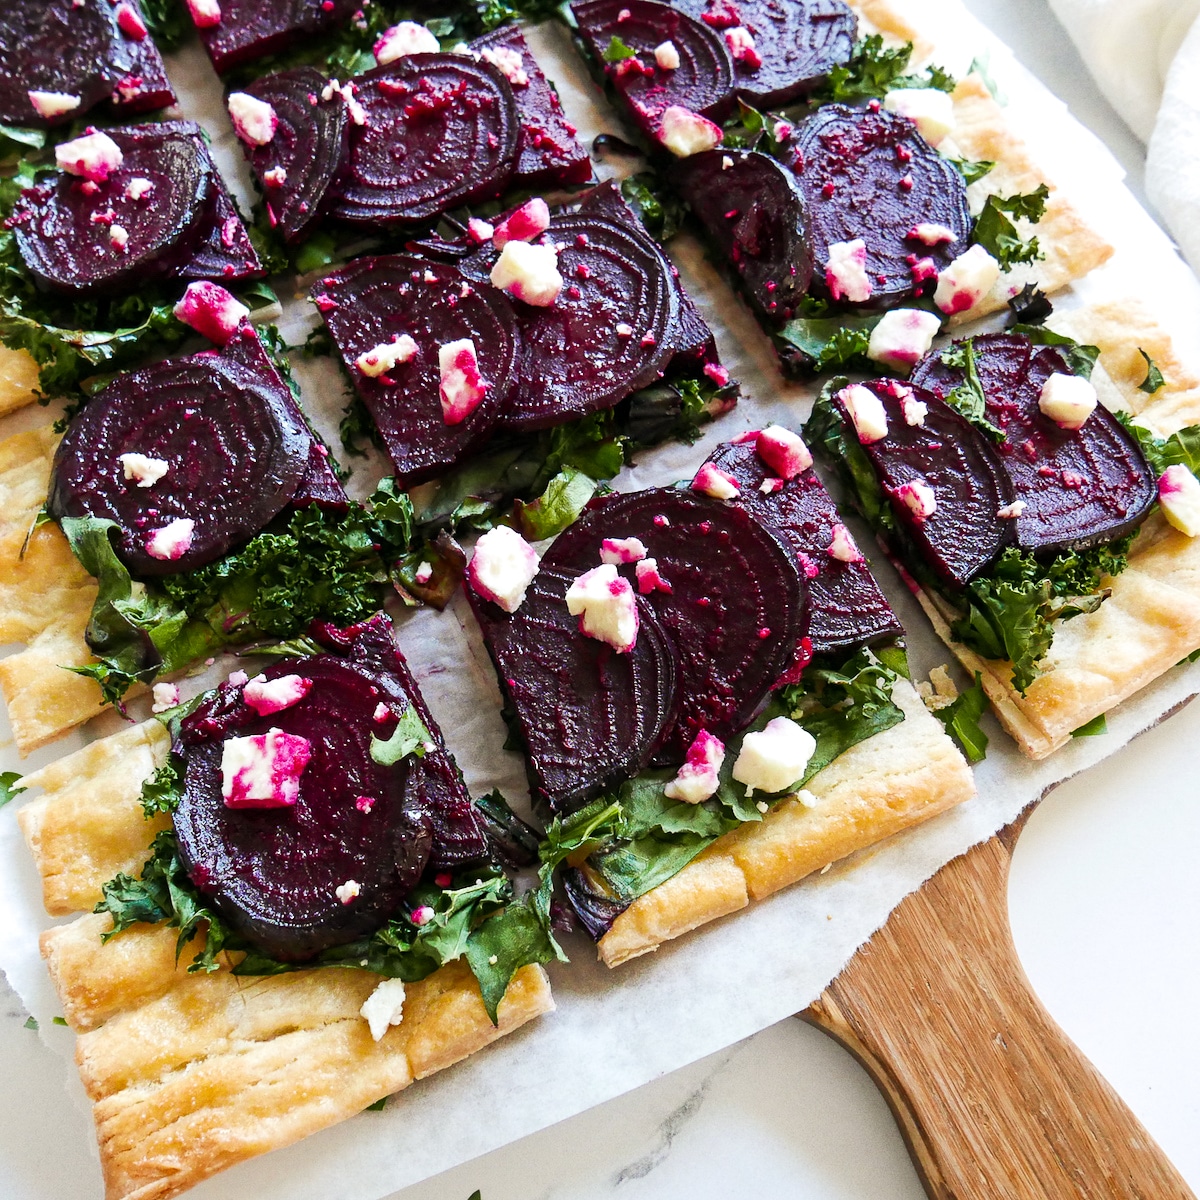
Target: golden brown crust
[(895, 779), (18, 380), (888, 18)]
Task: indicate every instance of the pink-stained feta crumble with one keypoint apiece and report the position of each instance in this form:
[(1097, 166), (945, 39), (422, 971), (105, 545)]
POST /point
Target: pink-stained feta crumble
[(530, 273), (842, 546), (94, 156), (523, 224), (408, 37), (348, 892), (606, 607), (717, 373), (1011, 511), (846, 271), (211, 311), (49, 105), (171, 541), (1068, 400), (913, 410), (269, 696), (422, 915), (966, 281), (783, 451), (462, 387), (118, 237), (381, 359), (254, 120), (166, 695), (684, 132), (276, 177), (929, 234), (238, 679), (141, 470), (649, 579), (769, 487), (742, 48), (364, 804), (502, 567), (1179, 495), (866, 413), (264, 769), (206, 14), (423, 573), (712, 481), (480, 231), (138, 188), (700, 775), (666, 55), (622, 550), (509, 63), (903, 337), (381, 713), (130, 23), (917, 496)]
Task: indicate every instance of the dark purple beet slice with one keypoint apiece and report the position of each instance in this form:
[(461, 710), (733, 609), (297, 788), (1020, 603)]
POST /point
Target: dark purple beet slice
[(225, 252), (846, 607), (372, 301), (737, 612), (235, 443), (956, 460), (302, 164), (703, 81), (550, 153), (273, 873), (610, 332), (595, 910), (797, 41), (869, 174), (55, 46), (440, 130), (589, 717), (64, 230), (1081, 487), (753, 211), (250, 29)]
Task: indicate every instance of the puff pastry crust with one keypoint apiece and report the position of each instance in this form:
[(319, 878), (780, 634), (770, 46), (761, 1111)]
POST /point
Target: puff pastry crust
[(18, 380)]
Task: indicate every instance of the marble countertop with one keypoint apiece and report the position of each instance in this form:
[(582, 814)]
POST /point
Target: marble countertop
[(1105, 903)]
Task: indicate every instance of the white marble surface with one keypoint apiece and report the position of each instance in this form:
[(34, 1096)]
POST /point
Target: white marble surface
[(1105, 903)]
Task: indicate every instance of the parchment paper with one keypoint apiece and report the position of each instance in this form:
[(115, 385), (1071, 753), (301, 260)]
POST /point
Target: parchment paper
[(616, 1030)]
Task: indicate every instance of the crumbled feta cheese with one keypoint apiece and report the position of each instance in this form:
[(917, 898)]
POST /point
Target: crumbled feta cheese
[(348, 892), (276, 177), (118, 237), (254, 120), (138, 187), (903, 337), (684, 132), (783, 130), (384, 1007), (269, 696), (783, 451), (211, 311), (423, 573), (1011, 511), (774, 758), (529, 273), (712, 481), (462, 387), (509, 63), (917, 496), (666, 55), (1068, 400), (763, 807), (166, 695), (171, 541), (408, 37), (846, 271), (808, 800), (141, 470), (379, 360), (1179, 495), (130, 23), (866, 413), (381, 713), (742, 48), (263, 770), (53, 104), (94, 156), (624, 330), (523, 224), (930, 108), (421, 915), (606, 607), (841, 545), (622, 550), (700, 775), (913, 410), (205, 13), (648, 578), (238, 679), (502, 567), (930, 234), (480, 231), (966, 281)]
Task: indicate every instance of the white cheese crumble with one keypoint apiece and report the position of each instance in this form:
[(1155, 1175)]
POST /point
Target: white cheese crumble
[(903, 337), (205, 13), (379, 360), (94, 156), (263, 770), (930, 108), (606, 607), (684, 132), (254, 120), (166, 695), (138, 187), (1011, 511), (53, 104), (966, 281), (700, 775), (1179, 495), (1068, 400), (502, 567), (171, 541), (462, 387), (508, 62), (211, 311), (712, 481), (842, 546), (348, 892), (622, 550), (666, 55), (846, 271), (774, 758), (783, 451), (384, 1007), (408, 37), (529, 273), (269, 696), (866, 413), (142, 470), (917, 496)]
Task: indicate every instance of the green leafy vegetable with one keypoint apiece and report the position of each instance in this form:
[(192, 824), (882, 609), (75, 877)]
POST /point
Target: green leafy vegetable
[(1154, 377), (998, 235), (816, 344), (8, 786), (972, 170), (409, 737), (981, 67), (557, 507), (1093, 728), (616, 51), (31, 1023), (167, 22), (1081, 358), (968, 399), (163, 791), (655, 204), (874, 70), (378, 1106), (961, 719), (1180, 449)]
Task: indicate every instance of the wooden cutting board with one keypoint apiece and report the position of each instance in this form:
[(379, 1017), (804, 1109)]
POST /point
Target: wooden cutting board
[(993, 1100)]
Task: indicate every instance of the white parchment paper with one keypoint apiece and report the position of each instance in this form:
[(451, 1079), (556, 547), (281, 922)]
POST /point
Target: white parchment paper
[(616, 1030)]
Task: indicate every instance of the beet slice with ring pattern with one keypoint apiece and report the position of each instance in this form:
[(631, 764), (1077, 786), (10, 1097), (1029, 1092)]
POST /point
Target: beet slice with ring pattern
[(250, 29), (703, 81), (753, 210), (737, 612), (846, 607), (235, 446), (869, 174), (1081, 487), (374, 300), (439, 130), (300, 167), (588, 716), (956, 461), (274, 873)]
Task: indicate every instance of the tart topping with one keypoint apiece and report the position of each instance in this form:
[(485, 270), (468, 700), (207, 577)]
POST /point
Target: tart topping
[(206, 14), (1011, 511), (94, 156), (509, 63), (931, 109), (606, 607), (930, 234), (348, 892), (666, 56), (648, 578), (742, 48), (966, 281), (171, 541), (712, 481), (866, 413), (684, 132), (462, 387), (166, 696), (384, 1007), (622, 550), (842, 545), (903, 337), (1179, 495), (211, 311), (408, 37), (523, 225), (700, 775), (502, 567), (264, 769), (1068, 400), (530, 273), (144, 472), (386, 356), (846, 271), (254, 120), (53, 104), (918, 497), (268, 696), (774, 758), (783, 451)]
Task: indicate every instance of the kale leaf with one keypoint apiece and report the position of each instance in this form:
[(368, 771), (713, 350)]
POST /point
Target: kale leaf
[(409, 737), (163, 791), (9, 788), (968, 399), (1180, 449), (811, 345), (998, 235), (654, 204), (1154, 377), (961, 719), (874, 70)]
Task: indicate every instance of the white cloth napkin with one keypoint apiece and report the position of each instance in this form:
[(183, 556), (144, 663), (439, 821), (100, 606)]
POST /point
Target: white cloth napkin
[(1145, 56)]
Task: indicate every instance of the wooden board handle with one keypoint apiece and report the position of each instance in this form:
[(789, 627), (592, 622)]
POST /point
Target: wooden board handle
[(993, 1099)]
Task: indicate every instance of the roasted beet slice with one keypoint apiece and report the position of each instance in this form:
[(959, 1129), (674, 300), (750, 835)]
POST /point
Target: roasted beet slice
[(942, 454), (550, 153), (226, 251), (299, 168), (373, 301), (609, 333), (703, 81), (846, 607), (1081, 487), (76, 50), (438, 130), (235, 447), (793, 43), (274, 873), (753, 210), (737, 610), (588, 716), (249, 29), (106, 237), (869, 174)]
